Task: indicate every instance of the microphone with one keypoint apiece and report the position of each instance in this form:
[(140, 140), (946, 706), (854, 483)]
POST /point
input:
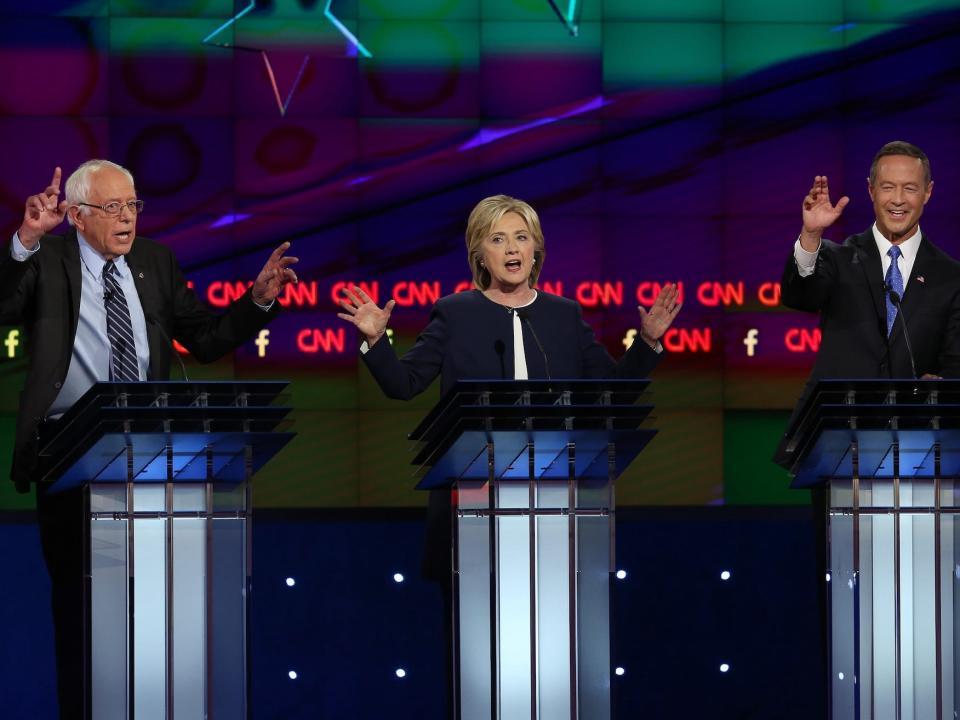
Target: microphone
[(152, 319), (895, 299), (525, 318), (107, 294)]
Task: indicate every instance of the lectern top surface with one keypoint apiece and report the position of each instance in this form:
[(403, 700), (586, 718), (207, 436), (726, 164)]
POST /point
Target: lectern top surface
[(574, 394), (869, 404), (130, 412)]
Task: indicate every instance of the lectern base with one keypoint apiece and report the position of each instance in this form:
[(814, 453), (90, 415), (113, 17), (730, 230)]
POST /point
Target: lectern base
[(159, 552), (533, 577)]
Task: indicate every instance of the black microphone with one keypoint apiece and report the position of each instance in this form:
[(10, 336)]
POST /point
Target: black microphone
[(524, 317), (895, 299), (152, 319)]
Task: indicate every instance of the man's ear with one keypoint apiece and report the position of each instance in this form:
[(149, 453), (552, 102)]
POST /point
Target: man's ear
[(73, 212)]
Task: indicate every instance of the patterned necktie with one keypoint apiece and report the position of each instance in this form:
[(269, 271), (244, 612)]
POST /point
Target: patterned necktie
[(893, 281), (123, 356)]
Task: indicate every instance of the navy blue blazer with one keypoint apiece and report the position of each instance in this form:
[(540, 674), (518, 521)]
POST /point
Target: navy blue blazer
[(470, 337)]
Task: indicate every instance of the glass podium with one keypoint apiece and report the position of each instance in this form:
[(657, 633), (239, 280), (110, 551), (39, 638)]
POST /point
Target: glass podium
[(532, 465), (165, 469)]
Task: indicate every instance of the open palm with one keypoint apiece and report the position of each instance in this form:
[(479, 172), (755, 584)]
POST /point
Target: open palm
[(360, 310), (818, 212)]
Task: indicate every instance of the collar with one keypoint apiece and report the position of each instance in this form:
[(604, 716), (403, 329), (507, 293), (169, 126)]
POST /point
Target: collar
[(94, 261), (528, 304), (908, 248), (510, 307)]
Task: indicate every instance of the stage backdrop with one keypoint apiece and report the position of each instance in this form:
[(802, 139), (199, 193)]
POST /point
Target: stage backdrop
[(660, 141)]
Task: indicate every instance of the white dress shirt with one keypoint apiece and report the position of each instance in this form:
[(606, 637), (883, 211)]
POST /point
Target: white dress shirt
[(806, 261)]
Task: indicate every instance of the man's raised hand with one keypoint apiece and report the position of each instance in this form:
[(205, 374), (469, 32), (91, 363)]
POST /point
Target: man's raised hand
[(274, 276), (819, 213), (42, 213)]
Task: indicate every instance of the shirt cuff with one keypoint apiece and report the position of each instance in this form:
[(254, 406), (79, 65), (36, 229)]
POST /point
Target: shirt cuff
[(265, 308), (364, 348), (806, 261), (18, 252)]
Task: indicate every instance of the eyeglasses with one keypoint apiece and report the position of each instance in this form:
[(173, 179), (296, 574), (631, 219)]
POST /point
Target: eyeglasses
[(115, 208)]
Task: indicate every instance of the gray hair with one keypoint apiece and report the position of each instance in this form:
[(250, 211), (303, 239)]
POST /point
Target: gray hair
[(77, 187)]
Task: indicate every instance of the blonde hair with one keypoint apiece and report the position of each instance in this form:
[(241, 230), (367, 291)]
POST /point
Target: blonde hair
[(77, 187), (487, 213)]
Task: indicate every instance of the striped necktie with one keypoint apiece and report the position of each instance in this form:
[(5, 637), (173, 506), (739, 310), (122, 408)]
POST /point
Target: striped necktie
[(123, 355), (894, 281)]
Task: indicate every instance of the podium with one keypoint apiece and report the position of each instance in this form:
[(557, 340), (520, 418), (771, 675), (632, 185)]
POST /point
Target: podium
[(532, 465), (889, 453), (165, 471)]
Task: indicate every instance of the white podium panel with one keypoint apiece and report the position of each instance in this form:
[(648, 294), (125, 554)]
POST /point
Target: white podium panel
[(150, 549), (895, 595), (532, 575)]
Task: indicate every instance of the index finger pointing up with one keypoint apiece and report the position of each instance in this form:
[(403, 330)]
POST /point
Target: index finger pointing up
[(55, 180)]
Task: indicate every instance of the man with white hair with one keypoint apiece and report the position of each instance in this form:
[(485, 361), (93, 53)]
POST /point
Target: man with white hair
[(100, 304)]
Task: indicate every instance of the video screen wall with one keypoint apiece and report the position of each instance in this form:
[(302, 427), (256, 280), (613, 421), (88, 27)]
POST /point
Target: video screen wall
[(659, 141)]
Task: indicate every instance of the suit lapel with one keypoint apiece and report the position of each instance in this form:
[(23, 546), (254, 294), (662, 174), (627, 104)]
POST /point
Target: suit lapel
[(143, 281), (924, 269), (873, 272), (139, 278), (71, 267)]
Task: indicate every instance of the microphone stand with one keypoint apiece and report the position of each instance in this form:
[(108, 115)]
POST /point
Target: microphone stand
[(895, 299)]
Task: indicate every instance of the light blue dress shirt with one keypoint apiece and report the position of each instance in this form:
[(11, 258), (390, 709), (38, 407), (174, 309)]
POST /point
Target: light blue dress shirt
[(90, 362)]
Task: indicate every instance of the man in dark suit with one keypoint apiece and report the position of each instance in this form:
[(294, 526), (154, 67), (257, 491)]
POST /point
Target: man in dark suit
[(100, 304), (850, 285), (847, 284)]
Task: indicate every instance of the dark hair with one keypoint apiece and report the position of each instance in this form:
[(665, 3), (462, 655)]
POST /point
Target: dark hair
[(901, 147)]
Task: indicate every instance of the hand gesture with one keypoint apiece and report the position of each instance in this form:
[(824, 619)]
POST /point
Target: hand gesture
[(819, 213), (43, 212), (657, 320), (362, 311), (275, 275)]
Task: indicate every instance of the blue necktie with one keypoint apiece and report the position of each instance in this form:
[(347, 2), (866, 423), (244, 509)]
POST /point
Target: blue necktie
[(123, 356), (893, 281)]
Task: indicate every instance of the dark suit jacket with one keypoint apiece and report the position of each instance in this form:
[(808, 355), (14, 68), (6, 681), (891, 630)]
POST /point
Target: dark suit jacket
[(846, 288), (43, 295), (470, 337)]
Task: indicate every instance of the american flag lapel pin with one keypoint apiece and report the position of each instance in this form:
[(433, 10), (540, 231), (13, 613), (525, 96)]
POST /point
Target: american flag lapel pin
[(920, 279), (141, 277)]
